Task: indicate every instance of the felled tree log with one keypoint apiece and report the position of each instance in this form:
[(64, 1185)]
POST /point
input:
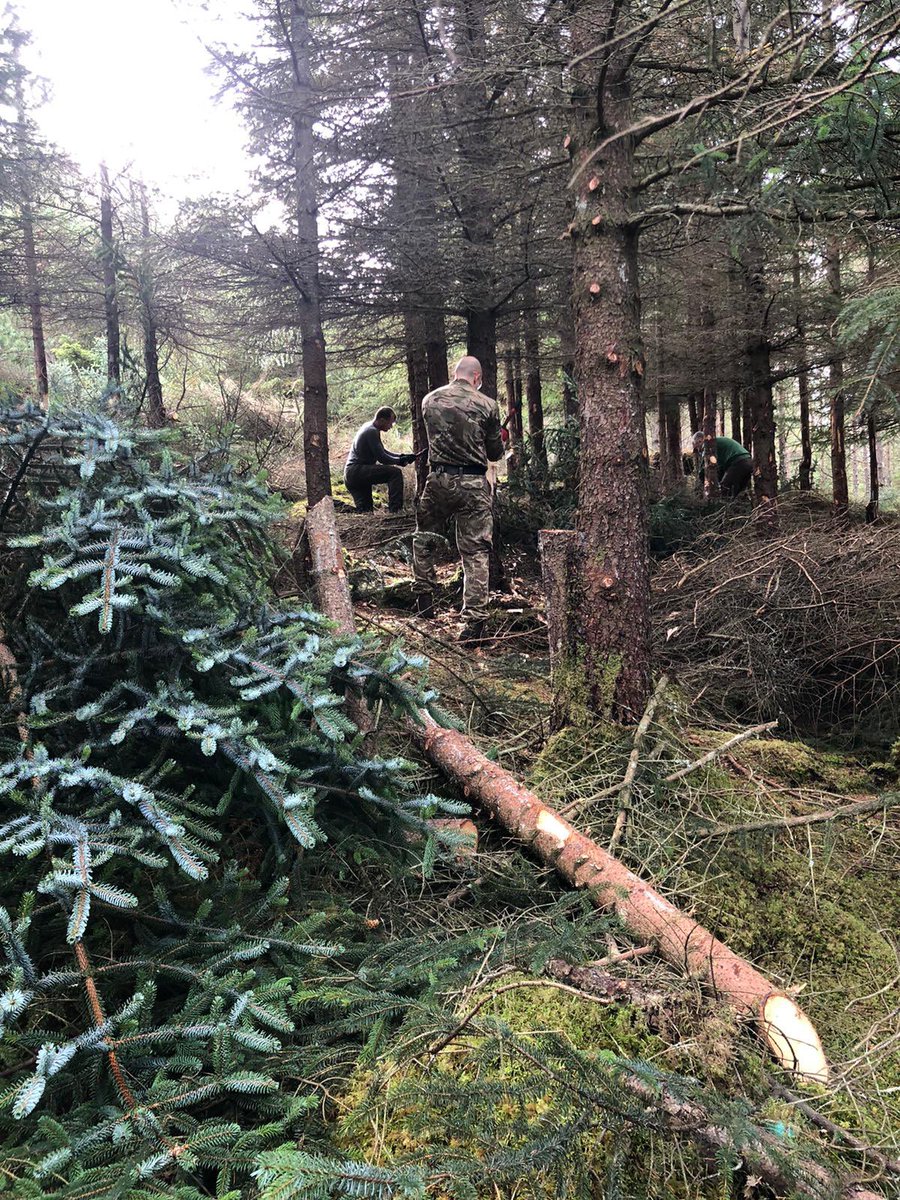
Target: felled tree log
[(682, 941)]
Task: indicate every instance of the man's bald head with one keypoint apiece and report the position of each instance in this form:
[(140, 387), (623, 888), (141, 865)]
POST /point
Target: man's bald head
[(468, 368)]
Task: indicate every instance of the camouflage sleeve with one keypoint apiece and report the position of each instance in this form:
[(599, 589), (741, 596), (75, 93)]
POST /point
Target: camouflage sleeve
[(493, 443)]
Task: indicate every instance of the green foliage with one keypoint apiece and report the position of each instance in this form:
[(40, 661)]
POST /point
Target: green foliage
[(185, 744)]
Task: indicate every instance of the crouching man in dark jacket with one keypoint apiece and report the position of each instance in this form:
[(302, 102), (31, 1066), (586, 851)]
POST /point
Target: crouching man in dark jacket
[(368, 462)]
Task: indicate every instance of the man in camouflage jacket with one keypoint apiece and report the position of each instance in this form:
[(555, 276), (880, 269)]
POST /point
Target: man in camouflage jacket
[(463, 428)]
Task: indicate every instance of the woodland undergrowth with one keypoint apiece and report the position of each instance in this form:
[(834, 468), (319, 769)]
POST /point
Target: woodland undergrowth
[(240, 960)]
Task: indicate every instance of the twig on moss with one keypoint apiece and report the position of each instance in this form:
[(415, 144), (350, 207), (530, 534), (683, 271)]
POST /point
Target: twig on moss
[(868, 804), (717, 750)]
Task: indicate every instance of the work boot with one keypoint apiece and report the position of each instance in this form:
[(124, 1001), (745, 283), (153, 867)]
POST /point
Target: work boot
[(425, 604), (472, 633)]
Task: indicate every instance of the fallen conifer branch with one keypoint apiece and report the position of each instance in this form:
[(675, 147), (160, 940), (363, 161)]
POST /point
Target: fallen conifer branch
[(682, 941), (890, 1166), (717, 750), (869, 804), (633, 761)]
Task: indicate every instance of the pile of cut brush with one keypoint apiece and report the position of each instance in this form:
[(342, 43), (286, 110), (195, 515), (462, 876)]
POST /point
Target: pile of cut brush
[(804, 626)]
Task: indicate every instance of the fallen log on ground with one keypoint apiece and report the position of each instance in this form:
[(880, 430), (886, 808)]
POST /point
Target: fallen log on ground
[(681, 940)]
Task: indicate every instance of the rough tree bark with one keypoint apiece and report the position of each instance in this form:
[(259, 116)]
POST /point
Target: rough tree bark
[(839, 490), (436, 349), (760, 393), (309, 291), (871, 432), (533, 391), (26, 218), (805, 467), (566, 332), (156, 411), (736, 412), (613, 502), (694, 411), (710, 457), (110, 298), (417, 380), (475, 201)]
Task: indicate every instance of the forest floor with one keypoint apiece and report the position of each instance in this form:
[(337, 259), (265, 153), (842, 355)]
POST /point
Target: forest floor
[(814, 903)]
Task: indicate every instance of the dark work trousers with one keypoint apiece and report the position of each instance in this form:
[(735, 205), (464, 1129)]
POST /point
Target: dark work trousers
[(359, 480), (736, 477)]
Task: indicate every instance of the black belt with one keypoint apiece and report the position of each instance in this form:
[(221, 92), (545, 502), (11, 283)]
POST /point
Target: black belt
[(454, 469)]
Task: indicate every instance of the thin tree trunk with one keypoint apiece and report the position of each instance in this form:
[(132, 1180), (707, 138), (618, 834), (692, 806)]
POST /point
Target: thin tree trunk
[(761, 398), (736, 412), (874, 487), (533, 392), (871, 434), (475, 203), (156, 412), (35, 310), (566, 331), (110, 297), (710, 411), (839, 489), (613, 501), (309, 292), (694, 416), (747, 422), (436, 349), (29, 249), (417, 379), (513, 402), (673, 438), (805, 469)]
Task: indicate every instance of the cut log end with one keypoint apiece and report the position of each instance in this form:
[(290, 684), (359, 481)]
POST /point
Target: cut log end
[(792, 1038)]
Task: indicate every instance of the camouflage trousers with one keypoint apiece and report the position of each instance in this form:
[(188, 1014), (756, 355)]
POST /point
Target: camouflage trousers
[(467, 499)]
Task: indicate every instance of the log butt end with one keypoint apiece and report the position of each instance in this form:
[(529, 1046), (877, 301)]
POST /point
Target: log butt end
[(792, 1038)]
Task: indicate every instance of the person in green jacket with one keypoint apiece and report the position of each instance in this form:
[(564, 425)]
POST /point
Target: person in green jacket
[(733, 461)]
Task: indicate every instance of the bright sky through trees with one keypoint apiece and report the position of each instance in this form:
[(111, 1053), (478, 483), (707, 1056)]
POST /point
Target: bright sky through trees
[(128, 85)]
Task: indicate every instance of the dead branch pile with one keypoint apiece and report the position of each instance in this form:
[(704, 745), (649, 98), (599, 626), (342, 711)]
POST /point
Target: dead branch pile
[(804, 626)]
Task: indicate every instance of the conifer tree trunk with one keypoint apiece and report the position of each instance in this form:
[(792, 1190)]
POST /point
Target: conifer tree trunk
[(613, 508), (513, 402), (710, 411), (839, 489), (747, 422), (35, 309), (309, 299), (156, 412), (761, 398), (668, 408), (805, 468), (436, 349), (417, 379), (475, 202), (871, 434), (711, 489), (533, 391), (736, 412), (29, 248), (694, 418), (874, 487), (566, 332), (110, 297)]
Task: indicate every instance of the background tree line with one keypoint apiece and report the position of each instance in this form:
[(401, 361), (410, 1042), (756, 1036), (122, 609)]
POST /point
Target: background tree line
[(666, 217)]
